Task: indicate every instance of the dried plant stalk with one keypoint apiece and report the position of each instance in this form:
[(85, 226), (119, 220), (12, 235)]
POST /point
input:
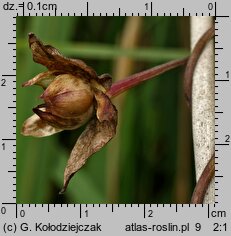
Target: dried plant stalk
[(203, 102)]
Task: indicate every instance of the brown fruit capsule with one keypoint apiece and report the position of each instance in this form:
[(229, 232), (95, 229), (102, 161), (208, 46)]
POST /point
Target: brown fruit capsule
[(68, 102)]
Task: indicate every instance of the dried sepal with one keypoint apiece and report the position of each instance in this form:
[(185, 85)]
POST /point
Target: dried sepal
[(105, 80), (36, 127), (105, 110), (42, 79), (93, 138), (54, 60), (68, 123), (98, 132)]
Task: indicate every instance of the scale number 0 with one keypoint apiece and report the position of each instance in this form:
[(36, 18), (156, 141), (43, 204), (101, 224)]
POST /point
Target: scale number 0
[(3, 210), (210, 6), (22, 213)]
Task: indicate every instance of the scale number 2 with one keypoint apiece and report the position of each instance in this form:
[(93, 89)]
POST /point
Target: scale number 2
[(3, 82), (227, 138), (150, 213)]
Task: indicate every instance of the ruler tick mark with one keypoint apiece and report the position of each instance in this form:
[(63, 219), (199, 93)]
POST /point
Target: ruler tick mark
[(222, 80), (222, 144), (87, 8), (8, 139), (8, 75)]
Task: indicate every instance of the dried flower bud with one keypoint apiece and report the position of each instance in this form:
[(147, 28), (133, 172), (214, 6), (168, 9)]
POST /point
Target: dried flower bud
[(73, 94)]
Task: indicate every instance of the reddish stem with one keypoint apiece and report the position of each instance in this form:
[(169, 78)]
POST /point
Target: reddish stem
[(192, 61), (203, 182), (133, 80)]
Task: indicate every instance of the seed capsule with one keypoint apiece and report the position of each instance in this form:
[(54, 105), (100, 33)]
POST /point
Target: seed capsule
[(68, 102)]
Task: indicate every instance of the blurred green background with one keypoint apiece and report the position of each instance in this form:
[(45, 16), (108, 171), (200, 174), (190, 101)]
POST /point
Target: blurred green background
[(150, 159)]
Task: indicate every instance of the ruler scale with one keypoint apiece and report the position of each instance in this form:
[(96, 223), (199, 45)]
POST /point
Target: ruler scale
[(122, 219)]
